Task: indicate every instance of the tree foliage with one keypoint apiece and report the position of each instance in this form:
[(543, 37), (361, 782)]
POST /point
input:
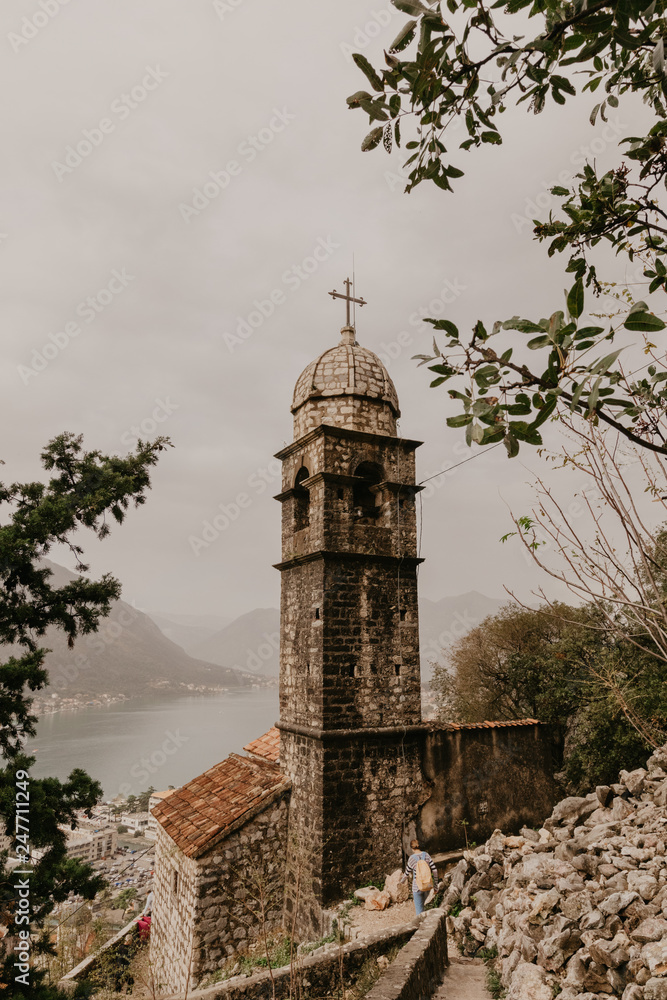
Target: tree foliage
[(548, 664), (464, 59), (85, 490)]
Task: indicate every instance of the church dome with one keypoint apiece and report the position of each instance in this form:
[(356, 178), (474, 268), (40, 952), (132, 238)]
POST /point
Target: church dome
[(347, 370)]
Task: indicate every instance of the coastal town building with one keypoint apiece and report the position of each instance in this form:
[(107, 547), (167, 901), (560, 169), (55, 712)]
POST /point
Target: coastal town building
[(329, 799), (155, 798), (136, 822), (91, 844)]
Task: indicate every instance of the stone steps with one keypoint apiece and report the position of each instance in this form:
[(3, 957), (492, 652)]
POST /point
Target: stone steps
[(465, 979)]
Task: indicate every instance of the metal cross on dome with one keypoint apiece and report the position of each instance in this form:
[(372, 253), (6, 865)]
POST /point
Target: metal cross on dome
[(348, 299)]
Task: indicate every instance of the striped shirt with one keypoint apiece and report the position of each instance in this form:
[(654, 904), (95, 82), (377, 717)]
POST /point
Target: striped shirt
[(411, 869)]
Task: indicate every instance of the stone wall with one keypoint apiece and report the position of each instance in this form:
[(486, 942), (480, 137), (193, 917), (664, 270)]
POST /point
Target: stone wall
[(316, 975), (420, 966), (351, 795), (353, 412), (497, 777), (222, 898), (175, 889)]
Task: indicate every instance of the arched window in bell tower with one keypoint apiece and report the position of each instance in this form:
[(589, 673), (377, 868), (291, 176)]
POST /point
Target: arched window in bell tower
[(366, 501), (301, 500)]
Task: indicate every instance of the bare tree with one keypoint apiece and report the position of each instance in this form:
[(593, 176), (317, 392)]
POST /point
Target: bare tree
[(613, 554)]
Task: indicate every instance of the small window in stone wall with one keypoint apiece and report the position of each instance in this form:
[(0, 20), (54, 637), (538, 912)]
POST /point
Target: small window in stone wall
[(366, 502), (301, 500), (403, 614), (349, 670), (483, 807), (397, 669), (317, 614), (174, 883)]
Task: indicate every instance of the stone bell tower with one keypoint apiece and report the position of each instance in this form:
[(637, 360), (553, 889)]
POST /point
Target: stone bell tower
[(350, 705)]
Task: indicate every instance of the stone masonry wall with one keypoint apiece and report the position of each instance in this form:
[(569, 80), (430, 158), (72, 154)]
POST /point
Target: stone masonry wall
[(217, 909), (499, 777), (174, 910), (372, 787), (420, 966), (350, 800), (301, 644), (352, 412), (370, 645)]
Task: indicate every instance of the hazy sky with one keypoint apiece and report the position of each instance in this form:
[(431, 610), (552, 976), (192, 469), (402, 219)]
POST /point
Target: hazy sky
[(142, 291)]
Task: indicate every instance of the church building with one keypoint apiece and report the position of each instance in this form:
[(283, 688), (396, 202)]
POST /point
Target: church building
[(330, 798)]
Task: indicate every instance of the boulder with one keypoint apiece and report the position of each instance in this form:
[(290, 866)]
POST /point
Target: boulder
[(529, 982), (398, 891), (604, 794), (651, 929), (617, 902), (654, 956), (529, 834), (610, 953), (633, 992), (634, 780), (570, 810), (363, 894), (655, 989), (378, 900)]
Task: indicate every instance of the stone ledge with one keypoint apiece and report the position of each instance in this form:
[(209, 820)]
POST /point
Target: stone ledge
[(317, 970), (419, 968)]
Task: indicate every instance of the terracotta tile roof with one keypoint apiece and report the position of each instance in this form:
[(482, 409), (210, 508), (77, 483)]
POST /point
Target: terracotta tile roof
[(490, 725), (202, 811), (162, 795), (267, 746)]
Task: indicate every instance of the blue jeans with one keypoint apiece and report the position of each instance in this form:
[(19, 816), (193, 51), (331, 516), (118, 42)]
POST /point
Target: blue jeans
[(420, 899)]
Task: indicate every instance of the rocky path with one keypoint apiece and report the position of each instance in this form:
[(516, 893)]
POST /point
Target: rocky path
[(465, 979)]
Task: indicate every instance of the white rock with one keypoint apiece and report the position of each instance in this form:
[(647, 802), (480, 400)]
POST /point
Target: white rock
[(654, 956), (364, 893), (378, 901), (617, 902), (651, 929), (529, 983), (656, 989), (399, 891)]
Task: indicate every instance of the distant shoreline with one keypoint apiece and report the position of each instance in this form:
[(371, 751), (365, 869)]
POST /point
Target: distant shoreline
[(43, 707)]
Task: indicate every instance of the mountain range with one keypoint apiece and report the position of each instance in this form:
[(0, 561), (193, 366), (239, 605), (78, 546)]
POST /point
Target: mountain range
[(129, 655), (251, 642), (135, 653)]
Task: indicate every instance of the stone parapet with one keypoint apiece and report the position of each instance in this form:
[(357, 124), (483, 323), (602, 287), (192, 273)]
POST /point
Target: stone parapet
[(315, 975), (419, 968)]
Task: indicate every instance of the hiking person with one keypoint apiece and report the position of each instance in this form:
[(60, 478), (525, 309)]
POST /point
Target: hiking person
[(422, 873)]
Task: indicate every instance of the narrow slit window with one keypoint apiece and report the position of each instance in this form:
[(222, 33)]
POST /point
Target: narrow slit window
[(317, 614), (397, 669), (174, 884), (403, 614), (301, 500)]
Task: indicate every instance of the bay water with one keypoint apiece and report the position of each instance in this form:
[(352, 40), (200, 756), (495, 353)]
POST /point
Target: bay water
[(151, 741)]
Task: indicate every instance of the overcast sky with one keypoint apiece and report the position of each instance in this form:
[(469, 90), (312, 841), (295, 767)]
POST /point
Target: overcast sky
[(158, 95)]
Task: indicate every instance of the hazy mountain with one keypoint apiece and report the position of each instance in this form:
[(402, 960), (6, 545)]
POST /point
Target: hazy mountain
[(442, 622), (251, 642), (128, 655), (188, 630)]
